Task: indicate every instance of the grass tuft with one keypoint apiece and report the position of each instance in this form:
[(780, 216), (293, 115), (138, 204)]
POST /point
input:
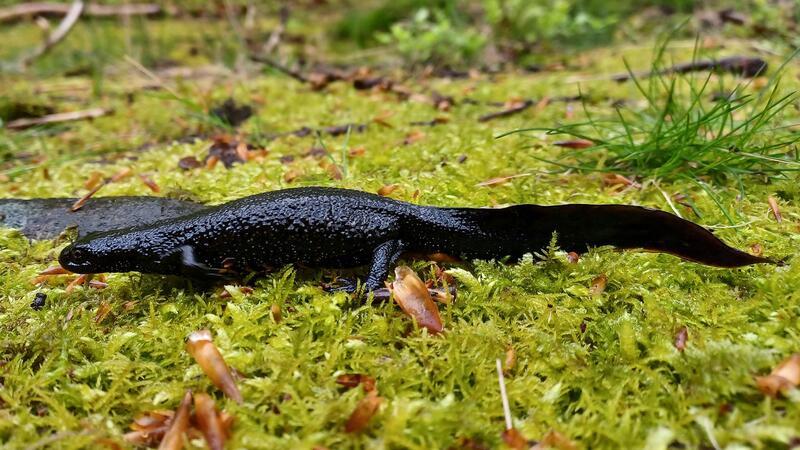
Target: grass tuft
[(687, 130)]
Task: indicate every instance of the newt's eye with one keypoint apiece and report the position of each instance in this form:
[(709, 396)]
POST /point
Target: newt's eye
[(77, 254)]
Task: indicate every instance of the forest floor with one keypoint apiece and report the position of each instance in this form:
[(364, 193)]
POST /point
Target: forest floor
[(600, 366)]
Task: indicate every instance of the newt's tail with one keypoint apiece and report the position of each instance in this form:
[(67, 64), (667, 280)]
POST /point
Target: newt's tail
[(580, 227)]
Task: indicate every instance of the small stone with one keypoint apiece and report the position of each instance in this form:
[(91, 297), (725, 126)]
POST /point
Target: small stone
[(38, 301)]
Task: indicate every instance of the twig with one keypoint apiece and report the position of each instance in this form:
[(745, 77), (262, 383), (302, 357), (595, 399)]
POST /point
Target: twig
[(276, 35), (23, 10), (745, 66), (155, 78), (58, 118), (57, 35), (522, 106), (506, 112), (281, 68), (504, 396)]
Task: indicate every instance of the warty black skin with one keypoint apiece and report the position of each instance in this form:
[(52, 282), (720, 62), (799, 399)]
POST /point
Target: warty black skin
[(339, 228)]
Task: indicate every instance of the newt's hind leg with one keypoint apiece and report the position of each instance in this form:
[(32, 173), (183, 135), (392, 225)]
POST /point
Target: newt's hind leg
[(383, 257)]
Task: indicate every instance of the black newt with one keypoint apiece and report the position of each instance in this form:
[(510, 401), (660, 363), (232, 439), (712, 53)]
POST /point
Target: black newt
[(339, 228)]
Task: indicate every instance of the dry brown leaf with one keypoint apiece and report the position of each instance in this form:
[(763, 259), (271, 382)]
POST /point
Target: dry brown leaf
[(351, 380), (442, 295), (387, 189), (501, 180), (365, 410), (510, 361), (334, 171), (82, 201), (598, 285), (209, 423), (95, 178), (150, 183), (54, 270), (208, 357), (124, 173), (556, 440), (290, 175), (212, 161), (414, 299), (241, 151), (776, 211), (275, 310), (102, 312), (81, 279), (514, 439), (783, 378), (173, 438), (615, 179), (413, 136), (357, 151), (574, 144)]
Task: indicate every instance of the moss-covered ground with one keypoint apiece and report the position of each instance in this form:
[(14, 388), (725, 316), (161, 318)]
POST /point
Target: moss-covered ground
[(601, 369)]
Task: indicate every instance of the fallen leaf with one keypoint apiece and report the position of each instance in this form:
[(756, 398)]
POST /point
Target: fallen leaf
[(82, 201), (189, 162), (442, 295), (351, 380), (124, 173), (783, 378), (208, 421), (81, 279), (150, 183), (94, 180), (413, 136), (275, 310), (334, 171), (414, 299), (554, 439), (290, 175), (615, 179), (173, 438), (54, 270), (574, 144), (365, 410), (208, 357), (514, 439), (102, 312), (387, 189), (598, 285), (212, 161), (510, 361), (776, 211), (357, 151), (501, 180)]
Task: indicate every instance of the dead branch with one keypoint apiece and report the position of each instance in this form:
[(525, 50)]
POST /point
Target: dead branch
[(57, 35), (276, 35), (58, 118), (23, 10), (280, 67)]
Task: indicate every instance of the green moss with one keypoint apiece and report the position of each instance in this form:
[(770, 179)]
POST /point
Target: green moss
[(618, 384)]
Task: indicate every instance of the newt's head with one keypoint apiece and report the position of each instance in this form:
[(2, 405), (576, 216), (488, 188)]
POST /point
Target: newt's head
[(113, 251)]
